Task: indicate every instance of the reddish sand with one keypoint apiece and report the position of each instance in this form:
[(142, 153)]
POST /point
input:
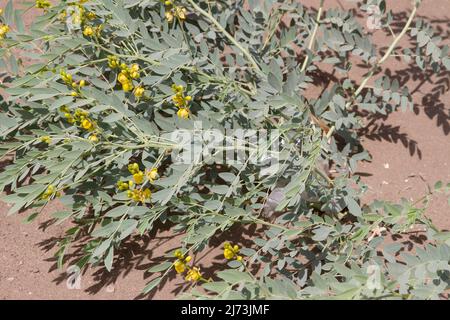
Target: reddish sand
[(409, 150)]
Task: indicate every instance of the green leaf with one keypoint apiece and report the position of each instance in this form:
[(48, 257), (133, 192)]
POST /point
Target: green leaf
[(234, 276), (151, 285), (160, 267), (109, 259)]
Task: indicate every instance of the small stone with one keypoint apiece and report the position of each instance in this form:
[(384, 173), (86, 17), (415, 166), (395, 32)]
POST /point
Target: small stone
[(110, 288), (386, 165), (384, 182), (10, 279)]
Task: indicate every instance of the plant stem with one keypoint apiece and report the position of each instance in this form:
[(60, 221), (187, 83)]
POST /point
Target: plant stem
[(313, 36), (229, 36), (379, 62), (386, 55)]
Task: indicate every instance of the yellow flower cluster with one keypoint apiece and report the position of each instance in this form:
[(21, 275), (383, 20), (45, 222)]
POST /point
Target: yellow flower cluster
[(93, 137), (43, 4), (113, 62), (138, 194), (152, 174), (46, 139), (126, 76), (231, 252), (4, 29), (193, 274), (66, 77), (90, 31), (79, 14), (181, 265), (173, 11), (81, 117), (139, 92), (138, 175), (50, 192), (123, 185), (181, 101), (68, 80)]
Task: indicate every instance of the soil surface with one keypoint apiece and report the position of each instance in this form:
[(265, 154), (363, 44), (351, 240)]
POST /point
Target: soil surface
[(409, 150)]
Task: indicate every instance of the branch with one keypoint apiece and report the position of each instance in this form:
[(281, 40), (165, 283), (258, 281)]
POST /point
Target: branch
[(229, 36), (386, 55), (313, 36)]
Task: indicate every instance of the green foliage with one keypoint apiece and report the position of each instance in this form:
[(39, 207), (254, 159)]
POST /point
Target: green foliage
[(73, 120)]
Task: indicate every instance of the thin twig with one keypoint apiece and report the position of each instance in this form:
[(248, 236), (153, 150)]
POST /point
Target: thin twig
[(313, 36), (229, 36)]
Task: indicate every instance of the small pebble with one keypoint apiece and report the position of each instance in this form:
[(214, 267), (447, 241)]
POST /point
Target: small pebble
[(110, 288)]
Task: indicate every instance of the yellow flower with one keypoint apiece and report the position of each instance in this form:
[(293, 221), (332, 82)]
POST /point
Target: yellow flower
[(180, 13), (193, 275), (179, 266), (180, 263), (46, 139), (122, 78), (152, 174), (62, 15), (1, 11), (179, 99), (134, 67), (82, 83), (139, 195), (4, 29), (183, 113), (139, 92), (64, 109), (42, 4), (86, 124), (74, 93), (90, 15), (69, 117), (133, 168), (230, 252), (123, 185), (138, 177), (169, 16), (178, 254), (146, 194), (113, 62), (127, 86), (174, 11), (66, 77), (49, 192), (93, 138), (88, 31)]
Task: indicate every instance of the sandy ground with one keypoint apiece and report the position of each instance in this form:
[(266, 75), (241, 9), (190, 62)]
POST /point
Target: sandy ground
[(408, 149)]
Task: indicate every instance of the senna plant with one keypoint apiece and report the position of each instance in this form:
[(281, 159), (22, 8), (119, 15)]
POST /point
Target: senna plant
[(105, 102)]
